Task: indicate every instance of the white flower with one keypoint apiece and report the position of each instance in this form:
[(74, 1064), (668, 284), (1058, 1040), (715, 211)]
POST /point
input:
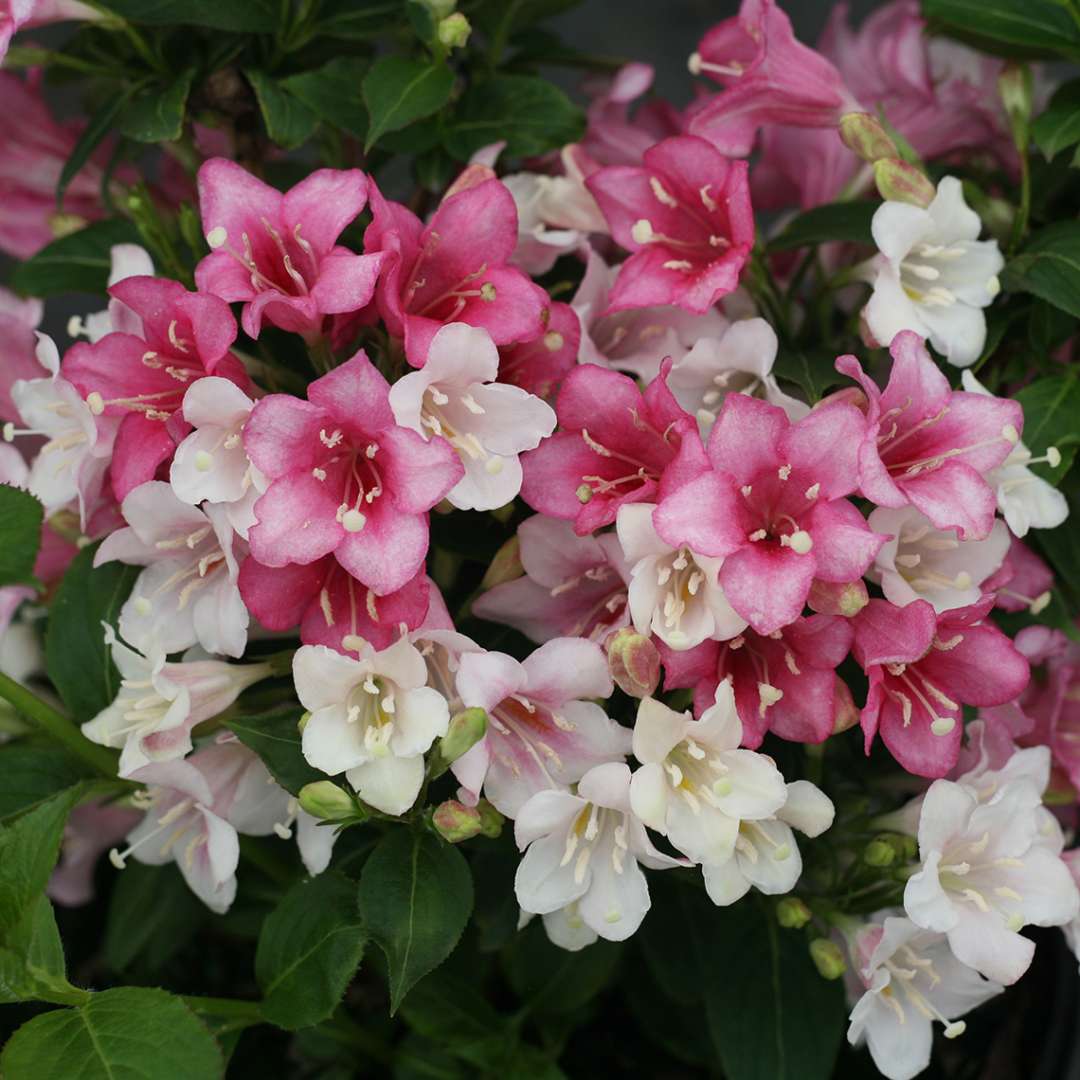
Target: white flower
[(920, 562), (372, 718), (695, 785), (126, 260), (188, 591), (933, 275), (1025, 500), (538, 198), (740, 360), (911, 980), (159, 703), (211, 464), (766, 855), (986, 873), (585, 849), (488, 423), (674, 593)]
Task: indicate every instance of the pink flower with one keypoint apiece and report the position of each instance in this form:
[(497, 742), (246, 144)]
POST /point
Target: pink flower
[(91, 829), (454, 269), (279, 253), (329, 605), (1022, 582), (784, 682), (345, 479), (540, 365), (685, 215), (769, 78), (19, 319), (574, 586), (773, 507), (542, 732), (15, 14), (922, 669), (142, 373), (33, 150), (801, 166), (930, 446)]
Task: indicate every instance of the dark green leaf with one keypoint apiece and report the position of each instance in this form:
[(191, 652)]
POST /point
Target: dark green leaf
[(450, 1011), (152, 914), (97, 128), (415, 898), (308, 951), (1061, 546), (1058, 126), (332, 93), (814, 372), (32, 959), (288, 121), (137, 1034), (35, 773), (79, 262), (771, 1015), (1049, 267), (20, 535), (399, 91), (76, 657), (251, 16), (275, 737), (157, 114), (358, 20), (1051, 409), (530, 113), (1012, 27), (847, 221)]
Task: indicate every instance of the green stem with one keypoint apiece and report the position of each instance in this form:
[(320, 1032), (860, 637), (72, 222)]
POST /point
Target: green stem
[(100, 758), (1020, 222), (231, 1007)]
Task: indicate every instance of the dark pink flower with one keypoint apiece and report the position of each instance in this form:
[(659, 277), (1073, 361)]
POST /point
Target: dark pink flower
[(930, 446), (540, 365), (454, 269), (773, 507), (1024, 581), (329, 605), (923, 668), (784, 682), (685, 214), (614, 446), (18, 345), (769, 78), (142, 376), (278, 252), (345, 479)]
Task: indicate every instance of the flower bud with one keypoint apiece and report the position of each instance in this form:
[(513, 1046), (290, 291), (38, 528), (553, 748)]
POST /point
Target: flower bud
[(899, 181), (505, 566), (439, 8), (828, 958), (1015, 87), (454, 31), (845, 714), (491, 821), (633, 661), (863, 135), (879, 852), (302, 722), (456, 822), (792, 913), (466, 729), (326, 801), (838, 598)]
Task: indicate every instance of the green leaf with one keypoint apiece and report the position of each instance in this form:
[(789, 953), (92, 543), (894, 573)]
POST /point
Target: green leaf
[(133, 1033), (1011, 27), (97, 128), (32, 964), (451, 1011), (288, 121), (416, 894), (275, 737), (1061, 546), (530, 113), (332, 93), (398, 91), (308, 951), (1049, 267), (1051, 407), (1058, 126), (20, 535), (33, 774), (814, 372), (152, 914), (252, 16), (359, 20), (76, 656), (846, 221), (78, 262), (771, 1015), (157, 114)]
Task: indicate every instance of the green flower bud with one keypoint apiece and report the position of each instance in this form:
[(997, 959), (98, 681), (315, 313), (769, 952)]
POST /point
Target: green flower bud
[(326, 801), (456, 822), (879, 852), (828, 958), (491, 821), (900, 181), (863, 135), (506, 566), (1015, 87), (633, 661), (466, 729), (302, 722), (792, 913), (454, 31), (439, 8)]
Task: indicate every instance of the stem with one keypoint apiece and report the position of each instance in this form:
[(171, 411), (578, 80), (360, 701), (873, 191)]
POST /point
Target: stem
[(100, 758), (1021, 220), (231, 1007)]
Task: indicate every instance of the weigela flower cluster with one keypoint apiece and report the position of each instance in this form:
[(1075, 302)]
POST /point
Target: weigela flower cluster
[(711, 573)]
